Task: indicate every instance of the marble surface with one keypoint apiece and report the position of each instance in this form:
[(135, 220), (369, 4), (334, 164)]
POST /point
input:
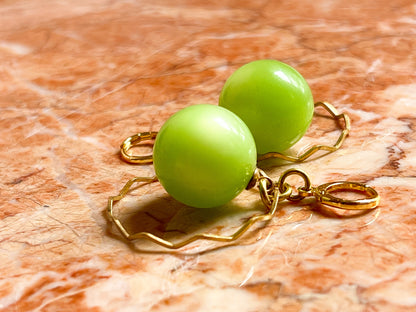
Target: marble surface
[(77, 77)]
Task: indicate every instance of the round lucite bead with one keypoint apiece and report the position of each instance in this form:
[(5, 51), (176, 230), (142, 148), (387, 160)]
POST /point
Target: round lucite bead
[(204, 156), (273, 99)]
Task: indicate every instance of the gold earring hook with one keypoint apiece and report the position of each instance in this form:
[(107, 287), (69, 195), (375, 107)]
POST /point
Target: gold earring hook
[(323, 193)]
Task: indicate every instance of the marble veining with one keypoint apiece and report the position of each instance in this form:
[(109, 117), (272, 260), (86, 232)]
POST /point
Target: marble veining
[(77, 77)]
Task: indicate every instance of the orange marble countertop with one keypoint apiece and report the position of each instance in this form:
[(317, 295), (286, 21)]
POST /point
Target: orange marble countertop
[(77, 77)]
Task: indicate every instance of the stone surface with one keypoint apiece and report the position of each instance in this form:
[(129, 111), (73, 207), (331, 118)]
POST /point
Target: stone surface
[(77, 77)]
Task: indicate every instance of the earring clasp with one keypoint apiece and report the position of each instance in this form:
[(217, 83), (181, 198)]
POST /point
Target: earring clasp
[(134, 141)]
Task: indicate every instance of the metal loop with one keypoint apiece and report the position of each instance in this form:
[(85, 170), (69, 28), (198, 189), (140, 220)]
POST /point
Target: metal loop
[(323, 195), (266, 188), (134, 141), (286, 193), (303, 191)]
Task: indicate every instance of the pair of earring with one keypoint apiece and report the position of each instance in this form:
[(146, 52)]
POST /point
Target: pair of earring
[(205, 155)]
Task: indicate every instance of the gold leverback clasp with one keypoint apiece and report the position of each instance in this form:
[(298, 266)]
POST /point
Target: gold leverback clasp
[(324, 193), (134, 141)]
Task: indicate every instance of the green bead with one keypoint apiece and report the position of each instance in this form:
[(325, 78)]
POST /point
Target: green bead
[(273, 99), (204, 156)]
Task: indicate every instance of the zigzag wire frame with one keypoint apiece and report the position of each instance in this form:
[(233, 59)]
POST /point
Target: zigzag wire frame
[(270, 211)]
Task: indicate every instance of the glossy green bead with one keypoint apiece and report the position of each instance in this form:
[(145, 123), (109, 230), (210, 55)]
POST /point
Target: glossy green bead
[(273, 99), (204, 156)]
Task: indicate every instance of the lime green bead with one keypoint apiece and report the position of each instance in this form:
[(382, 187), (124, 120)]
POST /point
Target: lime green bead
[(204, 156), (273, 99)]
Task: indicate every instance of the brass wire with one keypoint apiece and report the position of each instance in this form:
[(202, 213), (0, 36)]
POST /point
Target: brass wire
[(136, 139), (345, 130), (271, 194)]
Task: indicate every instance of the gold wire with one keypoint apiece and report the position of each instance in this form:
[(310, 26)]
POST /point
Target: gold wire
[(137, 139), (270, 211), (271, 194), (345, 130), (323, 194)]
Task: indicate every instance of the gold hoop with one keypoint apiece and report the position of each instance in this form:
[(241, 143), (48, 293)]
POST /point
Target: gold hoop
[(271, 194), (270, 211), (345, 130), (135, 140)]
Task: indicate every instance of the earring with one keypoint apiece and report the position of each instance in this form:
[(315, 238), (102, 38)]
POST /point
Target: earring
[(205, 155)]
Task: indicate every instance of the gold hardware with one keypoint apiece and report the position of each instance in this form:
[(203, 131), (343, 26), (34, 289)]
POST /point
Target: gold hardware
[(271, 193), (345, 130), (324, 196), (281, 183), (135, 140), (271, 209), (322, 193)]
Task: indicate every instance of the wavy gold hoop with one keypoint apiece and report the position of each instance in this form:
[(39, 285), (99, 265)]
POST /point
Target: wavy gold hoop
[(345, 126), (345, 130), (271, 194)]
